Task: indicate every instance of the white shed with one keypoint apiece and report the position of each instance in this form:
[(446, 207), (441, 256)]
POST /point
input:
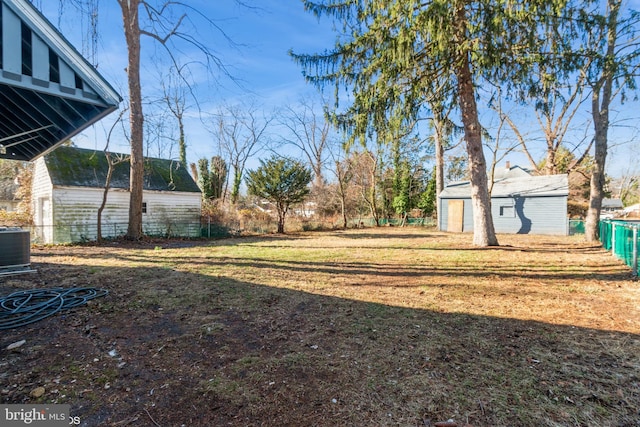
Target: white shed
[(68, 187)]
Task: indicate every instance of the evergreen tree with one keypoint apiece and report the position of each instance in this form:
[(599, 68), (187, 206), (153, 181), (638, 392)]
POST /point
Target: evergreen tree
[(218, 176), (212, 177), (282, 181), (391, 49), (204, 179), (428, 198)]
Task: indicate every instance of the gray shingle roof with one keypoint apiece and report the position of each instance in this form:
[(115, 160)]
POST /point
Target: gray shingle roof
[(612, 203), (531, 186), (78, 167)]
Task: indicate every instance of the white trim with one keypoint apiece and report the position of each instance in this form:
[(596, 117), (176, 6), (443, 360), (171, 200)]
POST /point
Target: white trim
[(66, 52)]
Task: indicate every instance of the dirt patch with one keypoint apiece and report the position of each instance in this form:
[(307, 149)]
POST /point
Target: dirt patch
[(369, 327)]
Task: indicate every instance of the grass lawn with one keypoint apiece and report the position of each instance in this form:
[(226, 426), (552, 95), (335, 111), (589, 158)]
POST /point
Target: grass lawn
[(370, 327)]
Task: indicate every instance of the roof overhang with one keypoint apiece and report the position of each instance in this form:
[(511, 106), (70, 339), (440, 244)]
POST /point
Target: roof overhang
[(48, 91)]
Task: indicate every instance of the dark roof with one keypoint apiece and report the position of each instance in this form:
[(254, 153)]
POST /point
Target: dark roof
[(48, 91), (79, 167)]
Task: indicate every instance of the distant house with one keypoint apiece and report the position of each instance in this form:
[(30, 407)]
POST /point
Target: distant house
[(68, 186), (612, 205), (522, 204)]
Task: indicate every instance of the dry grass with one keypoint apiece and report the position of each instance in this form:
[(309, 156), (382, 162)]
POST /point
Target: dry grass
[(365, 327)]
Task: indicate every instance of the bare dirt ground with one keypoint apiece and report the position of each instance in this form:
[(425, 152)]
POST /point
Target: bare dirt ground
[(403, 327)]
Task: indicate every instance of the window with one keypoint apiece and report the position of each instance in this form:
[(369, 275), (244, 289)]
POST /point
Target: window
[(144, 207), (507, 211)]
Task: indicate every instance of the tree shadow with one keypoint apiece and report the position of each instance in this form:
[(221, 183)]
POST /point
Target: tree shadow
[(167, 347), (525, 223)]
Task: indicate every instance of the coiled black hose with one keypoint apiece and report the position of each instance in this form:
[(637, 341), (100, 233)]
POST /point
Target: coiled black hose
[(25, 307)]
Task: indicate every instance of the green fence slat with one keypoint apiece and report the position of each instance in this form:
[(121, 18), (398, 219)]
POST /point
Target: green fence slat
[(622, 239)]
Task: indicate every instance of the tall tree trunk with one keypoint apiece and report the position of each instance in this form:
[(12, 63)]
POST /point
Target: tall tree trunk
[(182, 144), (438, 126), (600, 101), (483, 229), (132, 36), (282, 212), (371, 191), (107, 186)]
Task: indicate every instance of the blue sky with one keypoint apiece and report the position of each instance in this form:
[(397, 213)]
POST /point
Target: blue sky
[(265, 71), (258, 60)]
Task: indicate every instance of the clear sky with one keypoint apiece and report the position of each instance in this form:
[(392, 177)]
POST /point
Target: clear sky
[(265, 72), (253, 45)]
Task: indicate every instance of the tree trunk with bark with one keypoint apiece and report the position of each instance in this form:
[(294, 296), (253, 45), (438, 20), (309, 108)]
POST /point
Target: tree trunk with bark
[(439, 141), (600, 102), (130, 19), (483, 229), (105, 193)]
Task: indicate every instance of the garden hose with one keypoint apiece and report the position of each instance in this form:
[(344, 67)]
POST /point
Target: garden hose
[(25, 307)]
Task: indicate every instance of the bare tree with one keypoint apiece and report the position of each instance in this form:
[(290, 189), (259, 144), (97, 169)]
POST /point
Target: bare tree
[(175, 98), (168, 25), (112, 161), (343, 172), (241, 133), (365, 176), (309, 132), (159, 135)]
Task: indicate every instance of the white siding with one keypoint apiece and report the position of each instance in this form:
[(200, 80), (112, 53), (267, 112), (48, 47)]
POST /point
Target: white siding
[(41, 196), (168, 213), (70, 214), (76, 213)]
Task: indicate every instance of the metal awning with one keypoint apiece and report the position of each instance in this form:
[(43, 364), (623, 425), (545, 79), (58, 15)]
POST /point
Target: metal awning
[(48, 91)]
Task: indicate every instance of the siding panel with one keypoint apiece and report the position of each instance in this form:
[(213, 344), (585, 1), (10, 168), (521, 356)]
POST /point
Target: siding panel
[(524, 215), (76, 213)]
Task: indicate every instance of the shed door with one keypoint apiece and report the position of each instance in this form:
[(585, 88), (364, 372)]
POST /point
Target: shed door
[(456, 216)]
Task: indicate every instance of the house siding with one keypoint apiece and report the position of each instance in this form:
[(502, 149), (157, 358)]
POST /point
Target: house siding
[(69, 213), (530, 215), (76, 213), (520, 204), (41, 196), (526, 215), (170, 216)]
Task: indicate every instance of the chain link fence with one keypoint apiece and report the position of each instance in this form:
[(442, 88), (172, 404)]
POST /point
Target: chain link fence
[(80, 233), (576, 226)]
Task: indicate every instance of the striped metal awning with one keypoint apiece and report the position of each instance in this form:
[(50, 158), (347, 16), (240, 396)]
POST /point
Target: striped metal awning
[(48, 91)]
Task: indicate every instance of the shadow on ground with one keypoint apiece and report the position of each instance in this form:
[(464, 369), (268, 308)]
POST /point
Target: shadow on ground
[(170, 348)]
